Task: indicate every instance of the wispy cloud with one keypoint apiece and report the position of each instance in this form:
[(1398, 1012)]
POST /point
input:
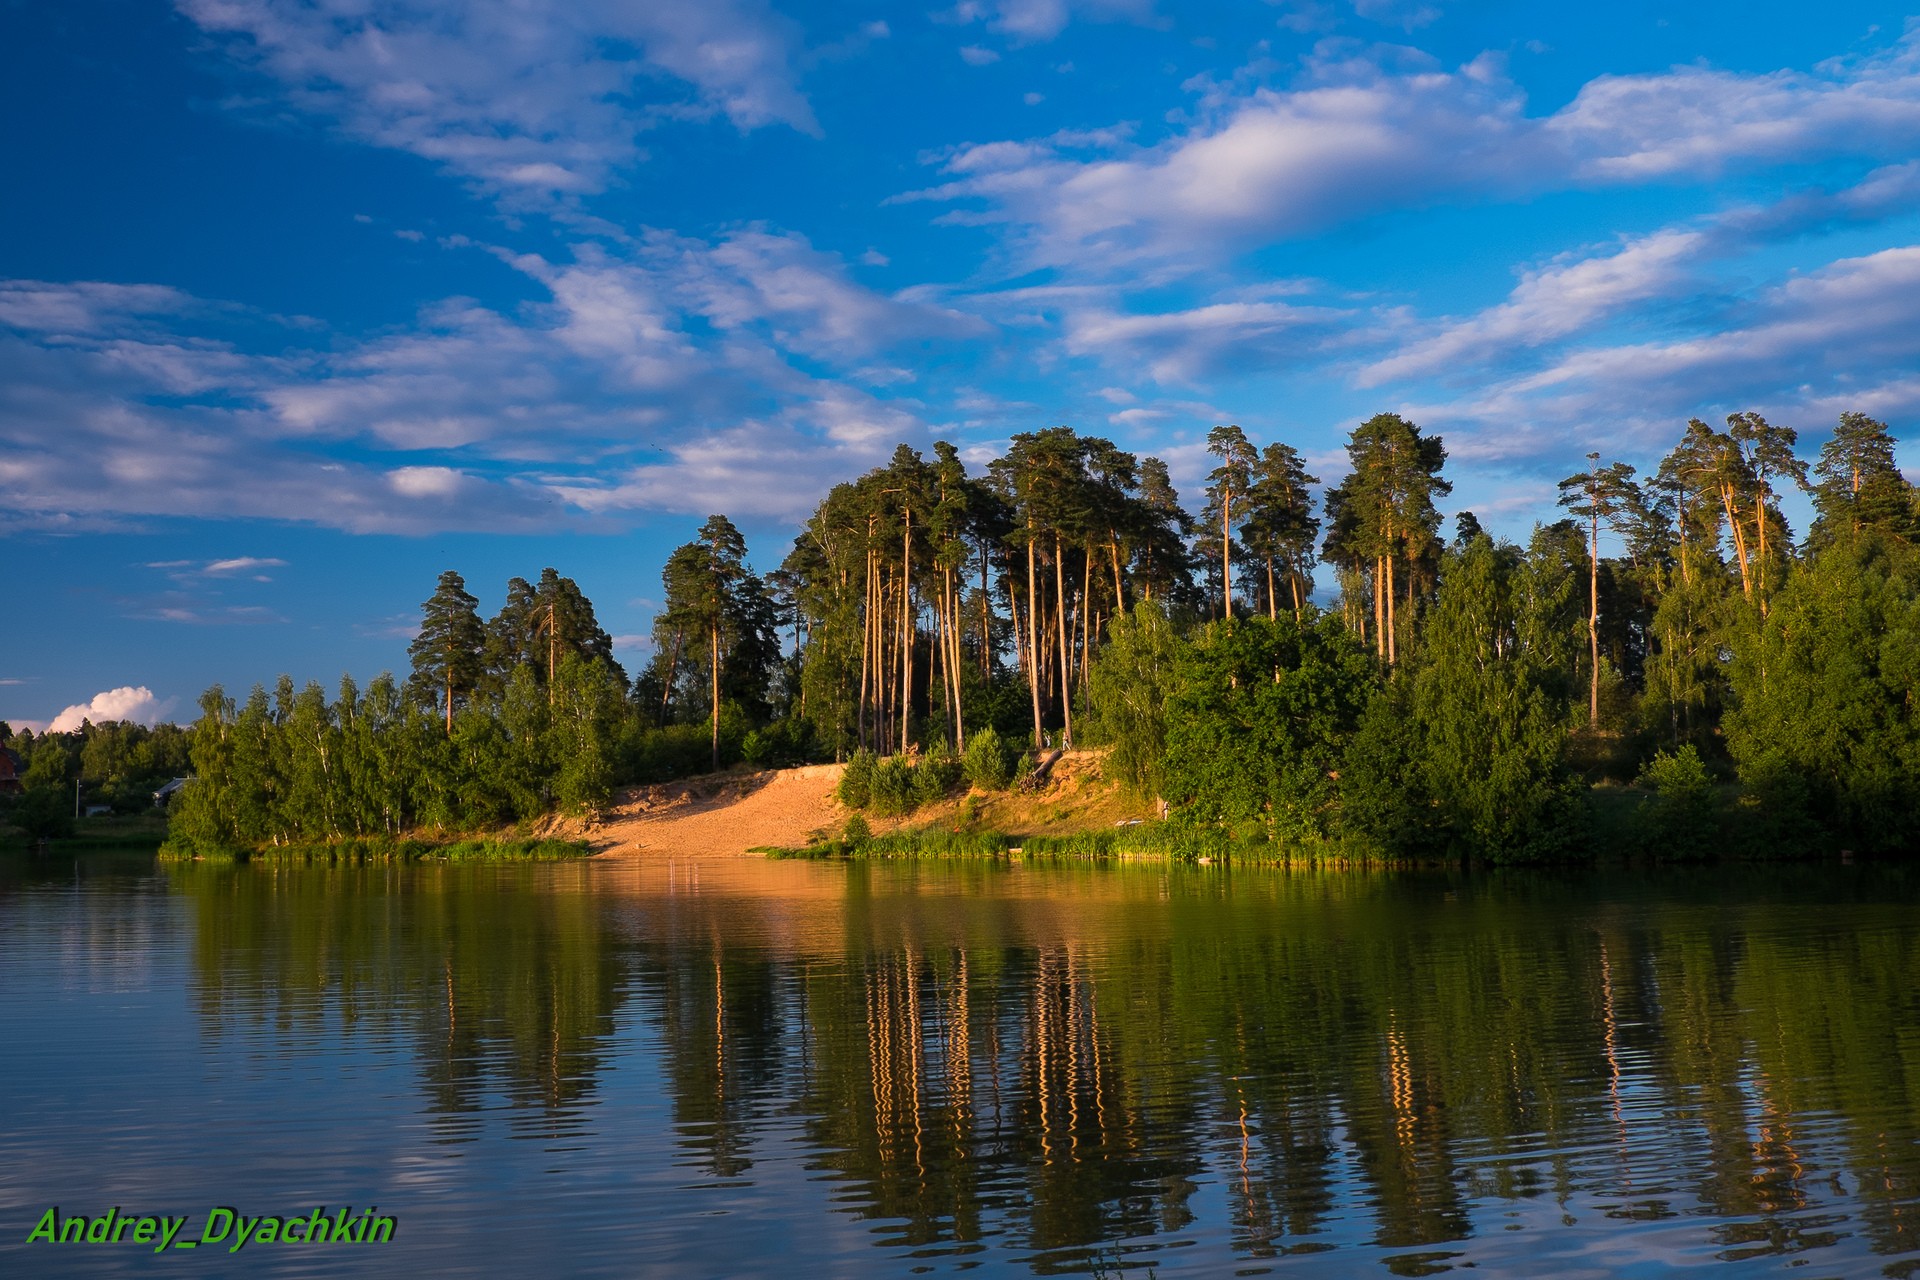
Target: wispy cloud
[(1551, 303), (1846, 336), (251, 567), (1578, 292), (527, 97), (1363, 132), (472, 417), (1192, 345)]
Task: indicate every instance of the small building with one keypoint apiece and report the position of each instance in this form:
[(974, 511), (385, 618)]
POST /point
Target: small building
[(164, 796), (11, 771)]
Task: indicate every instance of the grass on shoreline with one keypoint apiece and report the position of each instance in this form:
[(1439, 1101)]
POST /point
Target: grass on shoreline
[(387, 850), (1145, 841)]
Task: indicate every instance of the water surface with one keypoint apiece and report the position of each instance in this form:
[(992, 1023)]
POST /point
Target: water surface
[(760, 1069)]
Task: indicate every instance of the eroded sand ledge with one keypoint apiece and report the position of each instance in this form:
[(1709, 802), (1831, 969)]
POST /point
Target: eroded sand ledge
[(721, 815)]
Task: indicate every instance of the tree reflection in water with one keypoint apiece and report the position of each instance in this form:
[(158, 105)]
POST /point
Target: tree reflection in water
[(1056, 1061)]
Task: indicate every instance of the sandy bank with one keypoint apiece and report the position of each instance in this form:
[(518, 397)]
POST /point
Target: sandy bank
[(722, 815)]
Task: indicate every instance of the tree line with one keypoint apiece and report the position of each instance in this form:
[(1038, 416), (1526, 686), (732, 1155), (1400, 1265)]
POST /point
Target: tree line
[(1454, 696), (116, 764)]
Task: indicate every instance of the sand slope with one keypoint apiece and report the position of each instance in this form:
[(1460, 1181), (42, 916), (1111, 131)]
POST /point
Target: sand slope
[(722, 815)]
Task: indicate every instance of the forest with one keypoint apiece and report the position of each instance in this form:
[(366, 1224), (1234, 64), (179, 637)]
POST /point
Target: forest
[(1668, 669)]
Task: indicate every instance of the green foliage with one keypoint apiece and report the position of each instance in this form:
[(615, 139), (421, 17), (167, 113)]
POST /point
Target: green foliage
[(989, 761), (935, 778), (1823, 721), (781, 745), (1128, 686), (1468, 759), (892, 791), (43, 815), (1679, 819), (855, 789), (716, 629), (448, 654), (1382, 797), (1429, 721), (1257, 723)]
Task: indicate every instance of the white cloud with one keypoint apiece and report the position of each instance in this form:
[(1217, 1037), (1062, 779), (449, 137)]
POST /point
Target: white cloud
[(530, 96), (1361, 133), (516, 414), (1575, 293), (1846, 336), (249, 565), (1551, 303), (1044, 19), (429, 482), (125, 703), (976, 56), (85, 307), (1188, 346)]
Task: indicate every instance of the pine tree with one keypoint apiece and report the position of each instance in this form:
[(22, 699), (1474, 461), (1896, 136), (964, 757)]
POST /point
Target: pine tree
[(1228, 483), (1384, 513), (1860, 486), (710, 597), (448, 652), (1767, 452), (1598, 494), (1164, 528), (1281, 528)]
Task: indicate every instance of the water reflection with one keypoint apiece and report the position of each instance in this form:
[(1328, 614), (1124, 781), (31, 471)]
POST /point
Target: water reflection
[(1060, 1069)]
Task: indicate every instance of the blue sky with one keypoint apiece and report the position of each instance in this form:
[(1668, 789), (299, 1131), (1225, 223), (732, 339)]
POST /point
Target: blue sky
[(302, 303)]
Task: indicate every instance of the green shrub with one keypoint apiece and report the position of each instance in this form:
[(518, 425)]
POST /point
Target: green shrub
[(936, 778), (780, 745), (856, 832), (989, 761), (1678, 819), (892, 791), (43, 815), (856, 781)]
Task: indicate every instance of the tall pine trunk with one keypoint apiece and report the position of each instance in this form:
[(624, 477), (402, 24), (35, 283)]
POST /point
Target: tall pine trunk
[(906, 627), (1392, 624), (1086, 616), (1226, 553), (1033, 639), (866, 647), (1066, 671)]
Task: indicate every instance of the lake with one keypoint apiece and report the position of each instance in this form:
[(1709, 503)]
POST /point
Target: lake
[(740, 1068)]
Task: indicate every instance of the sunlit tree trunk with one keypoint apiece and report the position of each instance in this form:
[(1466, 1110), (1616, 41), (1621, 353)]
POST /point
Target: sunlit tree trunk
[(1060, 614), (1392, 626), (716, 697), (906, 627), (1593, 620), (1226, 557), (1086, 617), (1379, 606), (866, 644), (1033, 638), (1739, 537)]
